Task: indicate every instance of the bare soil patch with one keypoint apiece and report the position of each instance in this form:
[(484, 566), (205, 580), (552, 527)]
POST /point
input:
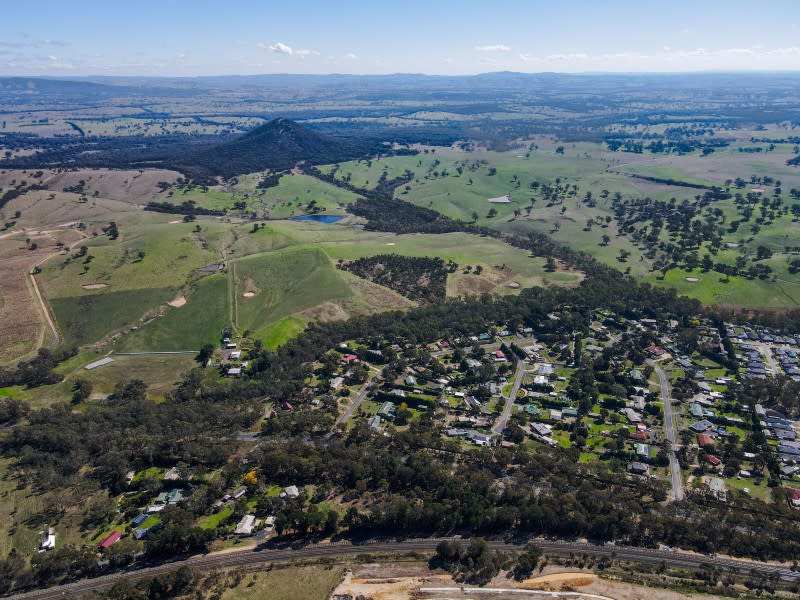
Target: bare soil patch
[(249, 294), (177, 302), (693, 279), (21, 323), (327, 311), (94, 286), (558, 582)]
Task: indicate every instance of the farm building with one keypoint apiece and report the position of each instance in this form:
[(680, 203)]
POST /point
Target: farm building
[(500, 200)]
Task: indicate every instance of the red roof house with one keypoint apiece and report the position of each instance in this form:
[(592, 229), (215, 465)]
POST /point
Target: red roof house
[(794, 495), (349, 358), (110, 540), (704, 439), (714, 460)]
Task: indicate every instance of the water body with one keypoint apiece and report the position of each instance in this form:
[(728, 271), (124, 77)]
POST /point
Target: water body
[(318, 218)]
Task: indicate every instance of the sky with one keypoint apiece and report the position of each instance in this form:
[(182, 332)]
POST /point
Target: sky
[(446, 37)]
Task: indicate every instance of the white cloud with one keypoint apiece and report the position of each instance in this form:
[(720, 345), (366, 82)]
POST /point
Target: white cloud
[(493, 48), (51, 57), (351, 56), (281, 48)]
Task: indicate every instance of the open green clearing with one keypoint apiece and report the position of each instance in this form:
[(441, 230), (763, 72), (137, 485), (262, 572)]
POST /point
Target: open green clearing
[(277, 278), (309, 583), (459, 184), (273, 286)]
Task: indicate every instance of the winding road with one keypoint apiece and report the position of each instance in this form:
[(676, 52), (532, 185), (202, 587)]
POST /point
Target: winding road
[(669, 429), (250, 557)]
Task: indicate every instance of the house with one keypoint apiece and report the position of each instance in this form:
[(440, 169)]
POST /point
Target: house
[(542, 429), (138, 520), (540, 380), (269, 523), (234, 372), (717, 488), (637, 402), (172, 475), (336, 383), (290, 492), (714, 460), (794, 497), (410, 381), (641, 436), (110, 540), (701, 426), (246, 525), (235, 355), (555, 415), (375, 422), (642, 450), (532, 410), (349, 359), (48, 541), (387, 410), (455, 432), (570, 411), (633, 416), (499, 356), (479, 439), (704, 440), (638, 468)]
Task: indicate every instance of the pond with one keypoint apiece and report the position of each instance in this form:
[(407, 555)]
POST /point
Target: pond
[(318, 218)]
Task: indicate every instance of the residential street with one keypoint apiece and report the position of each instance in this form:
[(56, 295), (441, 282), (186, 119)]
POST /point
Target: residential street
[(669, 429), (502, 420)]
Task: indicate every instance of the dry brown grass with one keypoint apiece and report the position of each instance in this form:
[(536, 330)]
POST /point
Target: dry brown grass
[(21, 320)]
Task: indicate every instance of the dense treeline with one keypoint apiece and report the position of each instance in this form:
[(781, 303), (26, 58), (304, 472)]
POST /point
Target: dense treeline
[(423, 279), (38, 370), (124, 432), (188, 207)]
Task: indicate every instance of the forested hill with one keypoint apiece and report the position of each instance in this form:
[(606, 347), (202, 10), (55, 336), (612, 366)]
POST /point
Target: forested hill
[(279, 144)]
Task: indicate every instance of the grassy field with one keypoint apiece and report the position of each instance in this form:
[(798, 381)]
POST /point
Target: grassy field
[(459, 184), (502, 264), (88, 318), (309, 583), (713, 288), (199, 321), (270, 287), (294, 195)]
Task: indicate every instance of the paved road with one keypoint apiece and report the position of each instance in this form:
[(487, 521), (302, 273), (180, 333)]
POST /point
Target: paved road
[(356, 401), (669, 429), (502, 420), (249, 557)]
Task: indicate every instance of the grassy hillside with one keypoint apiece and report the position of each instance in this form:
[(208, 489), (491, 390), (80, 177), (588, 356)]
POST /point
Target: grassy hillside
[(269, 287), (88, 318), (459, 184), (199, 321)]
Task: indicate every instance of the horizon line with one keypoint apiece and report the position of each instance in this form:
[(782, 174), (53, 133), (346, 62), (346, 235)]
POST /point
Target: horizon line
[(413, 74)]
